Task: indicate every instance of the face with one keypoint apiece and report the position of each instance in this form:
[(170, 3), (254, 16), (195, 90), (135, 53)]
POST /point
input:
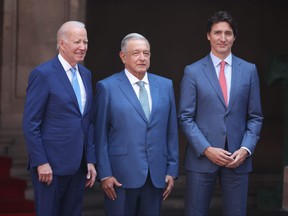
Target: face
[(221, 39), (136, 57), (74, 47)]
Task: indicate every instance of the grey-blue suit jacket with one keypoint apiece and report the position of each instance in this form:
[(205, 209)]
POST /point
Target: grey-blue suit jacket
[(206, 121)]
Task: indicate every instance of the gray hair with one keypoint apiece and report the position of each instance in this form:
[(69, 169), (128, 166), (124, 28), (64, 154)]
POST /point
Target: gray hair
[(131, 36), (65, 28)]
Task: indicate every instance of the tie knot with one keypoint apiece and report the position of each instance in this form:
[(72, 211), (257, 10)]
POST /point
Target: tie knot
[(222, 63), (73, 70), (140, 83)]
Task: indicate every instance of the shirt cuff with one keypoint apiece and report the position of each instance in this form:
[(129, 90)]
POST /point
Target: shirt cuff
[(249, 152)]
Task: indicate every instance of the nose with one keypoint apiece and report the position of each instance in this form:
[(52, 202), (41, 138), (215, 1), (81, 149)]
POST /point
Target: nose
[(141, 56), (83, 46), (223, 37)]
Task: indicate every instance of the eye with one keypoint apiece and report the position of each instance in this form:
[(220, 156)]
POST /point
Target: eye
[(146, 54), (229, 33), (135, 53)]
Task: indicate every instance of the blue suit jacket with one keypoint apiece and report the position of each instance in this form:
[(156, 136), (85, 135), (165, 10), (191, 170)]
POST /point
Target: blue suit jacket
[(127, 145), (206, 121), (53, 126)]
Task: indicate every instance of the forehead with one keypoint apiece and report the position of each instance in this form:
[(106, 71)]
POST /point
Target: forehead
[(138, 44), (75, 33), (221, 26)]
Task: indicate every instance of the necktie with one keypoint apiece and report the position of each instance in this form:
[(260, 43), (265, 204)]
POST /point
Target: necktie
[(76, 87), (143, 98), (222, 81)]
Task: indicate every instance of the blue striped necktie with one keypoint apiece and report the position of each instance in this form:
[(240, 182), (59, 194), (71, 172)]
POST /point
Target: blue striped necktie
[(76, 87)]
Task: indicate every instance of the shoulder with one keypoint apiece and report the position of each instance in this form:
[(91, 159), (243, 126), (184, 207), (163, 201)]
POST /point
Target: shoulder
[(243, 65), (198, 66), (159, 78), (203, 62), (83, 68), (111, 80), (44, 68), (241, 61)]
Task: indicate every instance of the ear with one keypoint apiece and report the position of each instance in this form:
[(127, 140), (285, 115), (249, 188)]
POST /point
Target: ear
[(208, 36), (122, 56), (61, 43)]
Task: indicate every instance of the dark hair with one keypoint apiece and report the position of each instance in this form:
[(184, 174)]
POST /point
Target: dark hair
[(222, 16)]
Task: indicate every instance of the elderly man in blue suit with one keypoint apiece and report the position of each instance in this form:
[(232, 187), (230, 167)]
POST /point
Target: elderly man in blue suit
[(56, 121), (136, 134), (221, 120)]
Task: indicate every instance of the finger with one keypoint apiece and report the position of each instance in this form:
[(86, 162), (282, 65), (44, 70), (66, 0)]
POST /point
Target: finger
[(49, 179), (93, 180), (88, 176), (111, 194), (166, 194)]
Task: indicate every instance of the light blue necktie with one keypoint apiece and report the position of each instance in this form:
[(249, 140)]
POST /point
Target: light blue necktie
[(76, 87), (143, 98)]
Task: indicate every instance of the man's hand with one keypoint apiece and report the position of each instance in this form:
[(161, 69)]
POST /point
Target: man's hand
[(45, 173), (218, 156), (170, 184), (239, 157), (108, 186), (91, 175)]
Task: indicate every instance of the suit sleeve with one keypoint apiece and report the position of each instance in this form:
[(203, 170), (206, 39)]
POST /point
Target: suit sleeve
[(254, 114), (37, 96), (90, 150), (101, 121), (173, 146), (187, 113)]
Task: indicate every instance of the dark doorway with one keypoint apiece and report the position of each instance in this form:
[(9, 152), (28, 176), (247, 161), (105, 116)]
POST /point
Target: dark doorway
[(176, 31)]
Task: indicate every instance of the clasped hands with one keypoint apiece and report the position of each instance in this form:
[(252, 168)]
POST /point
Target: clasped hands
[(222, 157)]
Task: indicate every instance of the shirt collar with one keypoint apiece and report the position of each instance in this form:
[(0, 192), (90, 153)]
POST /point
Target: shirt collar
[(216, 61), (134, 79), (65, 64)]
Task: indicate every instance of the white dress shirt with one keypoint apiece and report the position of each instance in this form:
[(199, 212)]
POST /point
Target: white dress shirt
[(133, 80), (67, 68), (227, 70)]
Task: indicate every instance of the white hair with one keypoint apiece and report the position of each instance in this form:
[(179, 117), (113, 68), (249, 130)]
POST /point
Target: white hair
[(65, 28), (131, 36)]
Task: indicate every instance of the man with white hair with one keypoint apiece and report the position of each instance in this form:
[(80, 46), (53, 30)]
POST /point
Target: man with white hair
[(56, 123)]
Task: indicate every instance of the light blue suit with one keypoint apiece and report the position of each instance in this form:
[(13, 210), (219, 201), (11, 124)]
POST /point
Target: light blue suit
[(206, 121), (128, 146)]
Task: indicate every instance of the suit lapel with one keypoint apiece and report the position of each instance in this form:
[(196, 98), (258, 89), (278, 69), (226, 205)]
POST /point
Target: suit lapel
[(86, 84), (210, 73), (154, 91), (61, 74), (235, 80), (128, 91)]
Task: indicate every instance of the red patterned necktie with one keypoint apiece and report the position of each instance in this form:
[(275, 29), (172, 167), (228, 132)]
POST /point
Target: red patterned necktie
[(222, 81)]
